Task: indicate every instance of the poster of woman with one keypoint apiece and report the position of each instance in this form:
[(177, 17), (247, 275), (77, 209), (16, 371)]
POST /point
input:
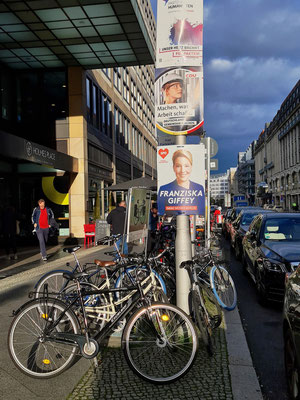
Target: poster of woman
[(181, 179)]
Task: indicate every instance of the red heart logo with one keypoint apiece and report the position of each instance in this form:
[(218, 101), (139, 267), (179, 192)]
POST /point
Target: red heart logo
[(163, 152)]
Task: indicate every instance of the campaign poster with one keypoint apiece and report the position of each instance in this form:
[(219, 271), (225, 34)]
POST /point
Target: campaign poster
[(178, 100), (138, 214), (179, 33), (181, 179)]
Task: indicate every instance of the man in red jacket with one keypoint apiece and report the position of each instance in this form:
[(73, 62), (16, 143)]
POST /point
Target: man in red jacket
[(41, 217)]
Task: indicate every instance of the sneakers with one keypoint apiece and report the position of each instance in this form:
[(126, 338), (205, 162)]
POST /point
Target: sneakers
[(44, 258), (15, 257)]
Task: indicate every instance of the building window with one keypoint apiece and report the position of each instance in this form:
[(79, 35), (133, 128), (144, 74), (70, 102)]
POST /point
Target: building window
[(117, 79)]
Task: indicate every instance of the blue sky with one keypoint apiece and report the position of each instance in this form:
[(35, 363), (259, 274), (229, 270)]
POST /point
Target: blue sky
[(251, 62)]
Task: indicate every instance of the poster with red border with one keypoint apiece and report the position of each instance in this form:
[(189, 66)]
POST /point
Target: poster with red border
[(179, 33)]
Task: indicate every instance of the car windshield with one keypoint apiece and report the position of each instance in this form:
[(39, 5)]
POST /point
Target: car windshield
[(247, 219), (282, 229)]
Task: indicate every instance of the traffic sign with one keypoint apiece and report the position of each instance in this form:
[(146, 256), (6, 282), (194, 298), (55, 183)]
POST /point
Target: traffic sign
[(213, 146), (214, 164)]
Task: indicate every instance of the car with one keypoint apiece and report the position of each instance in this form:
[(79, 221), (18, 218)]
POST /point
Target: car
[(291, 337), (240, 226), (271, 249), (234, 214)]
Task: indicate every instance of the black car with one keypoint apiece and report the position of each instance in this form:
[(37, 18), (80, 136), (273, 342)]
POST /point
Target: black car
[(271, 249), (240, 226), (291, 324)]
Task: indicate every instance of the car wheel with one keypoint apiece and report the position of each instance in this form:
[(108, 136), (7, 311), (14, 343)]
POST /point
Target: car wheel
[(291, 367), (261, 294)]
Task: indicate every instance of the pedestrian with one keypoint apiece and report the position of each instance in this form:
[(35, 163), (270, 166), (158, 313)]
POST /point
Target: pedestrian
[(116, 218), (41, 217), (153, 220), (9, 227)]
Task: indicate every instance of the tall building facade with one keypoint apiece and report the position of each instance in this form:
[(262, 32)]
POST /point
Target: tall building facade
[(277, 156)]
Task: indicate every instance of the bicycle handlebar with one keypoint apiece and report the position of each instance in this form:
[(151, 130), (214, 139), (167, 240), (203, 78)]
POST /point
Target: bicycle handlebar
[(108, 239)]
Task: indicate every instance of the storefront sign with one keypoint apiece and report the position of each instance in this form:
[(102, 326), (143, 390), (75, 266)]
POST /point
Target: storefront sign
[(181, 179), (179, 33), (16, 147)]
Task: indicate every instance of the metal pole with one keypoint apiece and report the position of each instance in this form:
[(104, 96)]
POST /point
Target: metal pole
[(208, 191), (183, 252)]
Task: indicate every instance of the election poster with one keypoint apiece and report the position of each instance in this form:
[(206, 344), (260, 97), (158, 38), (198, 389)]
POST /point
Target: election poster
[(179, 33), (181, 179), (178, 100)]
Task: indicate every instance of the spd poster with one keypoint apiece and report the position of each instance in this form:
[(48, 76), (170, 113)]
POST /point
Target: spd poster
[(181, 179)]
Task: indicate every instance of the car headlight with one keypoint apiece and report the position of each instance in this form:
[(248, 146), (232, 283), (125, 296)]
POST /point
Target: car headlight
[(274, 266)]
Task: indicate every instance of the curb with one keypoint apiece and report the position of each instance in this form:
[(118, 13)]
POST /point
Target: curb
[(244, 381)]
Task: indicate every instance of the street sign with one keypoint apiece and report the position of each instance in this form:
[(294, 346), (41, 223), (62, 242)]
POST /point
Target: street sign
[(239, 197), (241, 203), (214, 164), (213, 146)]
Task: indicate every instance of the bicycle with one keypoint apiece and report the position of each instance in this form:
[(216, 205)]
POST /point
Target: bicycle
[(218, 278), (204, 307), (159, 341), (57, 284)]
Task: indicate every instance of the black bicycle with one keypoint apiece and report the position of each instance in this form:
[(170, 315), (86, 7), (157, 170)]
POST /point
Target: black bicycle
[(46, 337)]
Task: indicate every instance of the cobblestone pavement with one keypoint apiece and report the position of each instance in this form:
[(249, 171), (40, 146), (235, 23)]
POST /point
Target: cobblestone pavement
[(208, 379)]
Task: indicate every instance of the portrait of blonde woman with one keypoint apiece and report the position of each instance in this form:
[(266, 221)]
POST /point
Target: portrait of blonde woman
[(182, 194)]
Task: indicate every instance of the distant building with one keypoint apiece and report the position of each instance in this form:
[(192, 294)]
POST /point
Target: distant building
[(245, 173), (277, 156), (219, 185)]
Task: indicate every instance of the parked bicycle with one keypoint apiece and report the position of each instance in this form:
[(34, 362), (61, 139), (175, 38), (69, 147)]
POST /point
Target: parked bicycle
[(159, 340)]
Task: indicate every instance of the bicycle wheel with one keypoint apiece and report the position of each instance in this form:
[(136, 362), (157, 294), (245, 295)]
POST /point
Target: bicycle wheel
[(160, 343), (55, 281), (202, 321), (223, 287), (96, 306), (96, 275), (143, 272), (212, 306), (31, 341)]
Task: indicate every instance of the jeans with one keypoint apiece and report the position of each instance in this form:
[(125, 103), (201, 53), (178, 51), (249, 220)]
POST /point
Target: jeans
[(125, 247), (42, 235)]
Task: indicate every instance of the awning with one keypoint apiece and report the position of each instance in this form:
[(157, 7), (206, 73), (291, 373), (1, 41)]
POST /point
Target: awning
[(62, 33), (143, 182)]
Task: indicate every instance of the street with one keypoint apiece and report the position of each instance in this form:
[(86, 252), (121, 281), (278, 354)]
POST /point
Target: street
[(263, 329)]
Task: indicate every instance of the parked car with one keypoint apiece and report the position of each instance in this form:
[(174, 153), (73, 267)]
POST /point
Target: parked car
[(271, 249), (234, 214), (240, 226), (291, 323), (226, 221)]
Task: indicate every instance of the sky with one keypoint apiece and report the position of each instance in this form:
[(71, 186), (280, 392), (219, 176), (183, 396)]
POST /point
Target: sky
[(251, 58)]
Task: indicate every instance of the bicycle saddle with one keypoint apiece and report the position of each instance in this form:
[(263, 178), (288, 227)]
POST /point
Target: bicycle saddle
[(71, 249), (104, 264)]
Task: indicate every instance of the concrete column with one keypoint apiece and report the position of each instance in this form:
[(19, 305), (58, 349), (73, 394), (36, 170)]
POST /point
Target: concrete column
[(78, 148)]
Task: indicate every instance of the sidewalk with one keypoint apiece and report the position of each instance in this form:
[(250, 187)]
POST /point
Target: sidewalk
[(229, 374)]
